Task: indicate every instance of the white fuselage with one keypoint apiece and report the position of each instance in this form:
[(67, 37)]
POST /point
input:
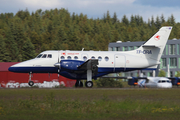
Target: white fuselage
[(106, 59), (159, 82), (66, 62)]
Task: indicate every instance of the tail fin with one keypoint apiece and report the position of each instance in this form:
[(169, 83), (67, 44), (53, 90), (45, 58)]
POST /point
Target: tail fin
[(160, 38), (154, 47)]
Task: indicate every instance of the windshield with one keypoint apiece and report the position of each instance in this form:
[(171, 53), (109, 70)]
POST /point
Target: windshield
[(164, 81), (39, 56)]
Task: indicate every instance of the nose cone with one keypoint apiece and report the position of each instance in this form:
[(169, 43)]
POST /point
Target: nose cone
[(15, 68), (19, 68), (164, 85), (12, 69)]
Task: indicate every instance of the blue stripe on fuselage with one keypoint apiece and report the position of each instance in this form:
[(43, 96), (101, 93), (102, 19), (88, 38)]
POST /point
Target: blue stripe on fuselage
[(34, 69), (55, 70)]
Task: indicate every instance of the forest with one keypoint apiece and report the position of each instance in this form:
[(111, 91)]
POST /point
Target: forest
[(24, 35)]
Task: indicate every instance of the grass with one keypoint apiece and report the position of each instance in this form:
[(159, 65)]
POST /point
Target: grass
[(75, 104)]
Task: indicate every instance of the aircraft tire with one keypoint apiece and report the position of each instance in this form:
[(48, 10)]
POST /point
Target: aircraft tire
[(81, 84), (78, 84), (31, 83), (89, 84)]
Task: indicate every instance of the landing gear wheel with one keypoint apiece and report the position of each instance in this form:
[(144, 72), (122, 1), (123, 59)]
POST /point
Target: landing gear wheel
[(31, 83), (81, 84), (89, 84), (78, 84)]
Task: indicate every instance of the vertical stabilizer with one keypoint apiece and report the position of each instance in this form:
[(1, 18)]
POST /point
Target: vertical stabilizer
[(154, 47), (160, 38)]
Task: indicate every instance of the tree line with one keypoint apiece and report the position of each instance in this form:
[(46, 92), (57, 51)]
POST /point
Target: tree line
[(24, 35)]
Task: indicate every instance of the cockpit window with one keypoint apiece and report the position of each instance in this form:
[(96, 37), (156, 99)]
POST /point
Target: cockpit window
[(163, 81), (49, 56), (44, 56), (39, 55)]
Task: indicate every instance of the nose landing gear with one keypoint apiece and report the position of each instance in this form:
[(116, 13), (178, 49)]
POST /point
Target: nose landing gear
[(30, 83)]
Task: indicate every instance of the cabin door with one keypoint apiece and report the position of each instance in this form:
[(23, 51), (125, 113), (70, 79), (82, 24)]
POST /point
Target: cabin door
[(119, 63)]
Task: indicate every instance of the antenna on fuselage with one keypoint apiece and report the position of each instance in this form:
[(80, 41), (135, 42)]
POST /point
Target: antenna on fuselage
[(82, 49)]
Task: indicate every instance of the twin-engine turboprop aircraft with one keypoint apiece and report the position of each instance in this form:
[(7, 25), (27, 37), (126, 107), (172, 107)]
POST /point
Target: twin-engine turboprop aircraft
[(159, 82), (90, 65)]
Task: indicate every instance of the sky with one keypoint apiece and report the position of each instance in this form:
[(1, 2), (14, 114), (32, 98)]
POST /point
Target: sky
[(97, 8)]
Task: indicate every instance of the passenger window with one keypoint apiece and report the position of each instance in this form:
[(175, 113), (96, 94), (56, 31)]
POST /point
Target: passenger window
[(92, 57), (106, 58), (69, 57), (84, 58), (99, 58), (39, 55), (44, 56), (49, 56), (62, 57), (75, 57)]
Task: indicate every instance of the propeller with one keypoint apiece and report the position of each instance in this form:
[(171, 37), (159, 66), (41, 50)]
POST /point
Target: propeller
[(58, 65)]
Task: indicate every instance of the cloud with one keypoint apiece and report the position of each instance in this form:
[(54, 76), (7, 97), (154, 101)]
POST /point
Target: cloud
[(42, 3), (159, 3), (97, 8)]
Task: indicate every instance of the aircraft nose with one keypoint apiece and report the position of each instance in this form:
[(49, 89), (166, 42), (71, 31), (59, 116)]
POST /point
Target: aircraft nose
[(12, 69)]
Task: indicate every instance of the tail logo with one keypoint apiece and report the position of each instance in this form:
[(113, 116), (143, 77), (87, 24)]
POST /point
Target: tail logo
[(157, 37)]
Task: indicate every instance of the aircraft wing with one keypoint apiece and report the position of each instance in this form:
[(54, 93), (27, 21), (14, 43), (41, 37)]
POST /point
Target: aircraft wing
[(90, 64), (125, 77), (131, 80)]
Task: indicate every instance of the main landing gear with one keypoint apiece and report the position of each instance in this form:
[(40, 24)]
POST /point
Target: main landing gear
[(78, 83), (30, 83), (88, 84), (92, 70)]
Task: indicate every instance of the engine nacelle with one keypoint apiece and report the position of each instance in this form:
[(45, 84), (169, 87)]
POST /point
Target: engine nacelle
[(133, 81), (175, 81), (71, 65)]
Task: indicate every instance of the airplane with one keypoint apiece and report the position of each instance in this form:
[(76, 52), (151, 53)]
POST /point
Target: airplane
[(159, 82), (80, 65)]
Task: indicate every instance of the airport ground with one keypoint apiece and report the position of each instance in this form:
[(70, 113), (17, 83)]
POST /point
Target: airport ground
[(88, 104)]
